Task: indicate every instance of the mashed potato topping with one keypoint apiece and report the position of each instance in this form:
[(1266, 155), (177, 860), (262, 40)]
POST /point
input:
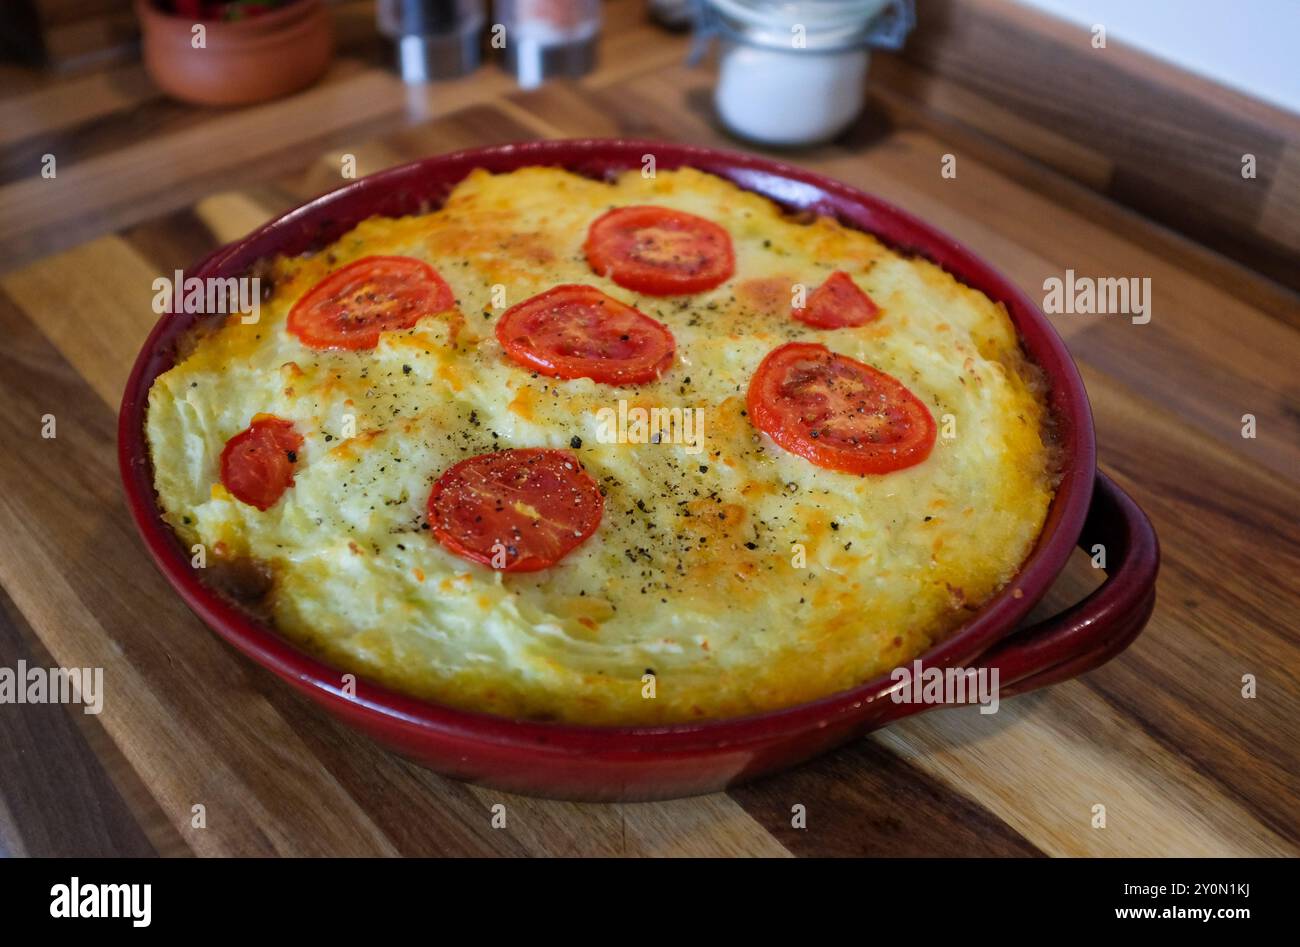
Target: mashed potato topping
[(740, 575)]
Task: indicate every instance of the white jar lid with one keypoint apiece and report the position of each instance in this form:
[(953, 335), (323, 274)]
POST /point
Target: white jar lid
[(826, 24)]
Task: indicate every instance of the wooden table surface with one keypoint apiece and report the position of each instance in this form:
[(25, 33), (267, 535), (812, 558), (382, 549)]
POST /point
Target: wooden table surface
[(1162, 737)]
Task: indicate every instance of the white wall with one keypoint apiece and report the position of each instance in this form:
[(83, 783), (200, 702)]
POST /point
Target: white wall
[(1251, 45)]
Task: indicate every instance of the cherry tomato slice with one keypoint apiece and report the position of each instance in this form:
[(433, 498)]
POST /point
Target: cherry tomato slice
[(516, 510), (576, 331), (658, 251), (257, 463), (352, 306), (838, 413), (838, 303)]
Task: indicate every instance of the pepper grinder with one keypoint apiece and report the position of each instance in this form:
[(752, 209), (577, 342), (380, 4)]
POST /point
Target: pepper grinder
[(436, 39), (548, 38)]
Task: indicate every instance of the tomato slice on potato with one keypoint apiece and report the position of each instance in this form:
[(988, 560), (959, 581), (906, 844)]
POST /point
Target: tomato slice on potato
[(838, 303), (352, 306), (659, 251), (257, 463), (518, 510), (838, 413), (576, 331)]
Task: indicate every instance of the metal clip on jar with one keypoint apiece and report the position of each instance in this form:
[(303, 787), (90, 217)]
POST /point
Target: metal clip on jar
[(793, 72), (545, 39), (436, 39)]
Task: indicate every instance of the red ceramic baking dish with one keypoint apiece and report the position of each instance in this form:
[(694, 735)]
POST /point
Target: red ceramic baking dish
[(624, 763)]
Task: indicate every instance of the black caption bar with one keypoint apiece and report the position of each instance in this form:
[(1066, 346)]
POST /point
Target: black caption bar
[(334, 896)]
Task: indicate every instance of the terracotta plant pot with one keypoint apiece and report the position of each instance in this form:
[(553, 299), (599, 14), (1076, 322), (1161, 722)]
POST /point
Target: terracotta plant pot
[(240, 62)]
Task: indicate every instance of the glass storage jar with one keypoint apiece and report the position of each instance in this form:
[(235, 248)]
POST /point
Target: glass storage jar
[(793, 72)]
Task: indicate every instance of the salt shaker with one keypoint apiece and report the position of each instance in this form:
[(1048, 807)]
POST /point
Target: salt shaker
[(436, 39), (793, 72), (548, 38)]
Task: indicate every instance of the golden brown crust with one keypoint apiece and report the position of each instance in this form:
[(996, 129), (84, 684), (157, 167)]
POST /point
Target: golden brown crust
[(741, 576)]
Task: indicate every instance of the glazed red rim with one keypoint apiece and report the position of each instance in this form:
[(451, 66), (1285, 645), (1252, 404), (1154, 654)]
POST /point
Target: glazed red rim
[(423, 185)]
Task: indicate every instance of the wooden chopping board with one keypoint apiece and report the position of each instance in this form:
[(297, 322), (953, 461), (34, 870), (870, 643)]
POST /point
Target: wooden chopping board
[(1162, 736)]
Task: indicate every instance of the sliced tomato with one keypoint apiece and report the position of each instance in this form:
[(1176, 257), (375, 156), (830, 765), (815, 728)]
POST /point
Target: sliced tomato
[(659, 251), (578, 332), (257, 463), (352, 306), (837, 412), (517, 510), (838, 303)]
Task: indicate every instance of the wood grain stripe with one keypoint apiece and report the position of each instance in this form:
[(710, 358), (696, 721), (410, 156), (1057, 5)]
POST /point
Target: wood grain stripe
[(1183, 168), (96, 304), (125, 186), (888, 106), (1231, 555), (866, 801), (84, 589), (1162, 736), (706, 826), (421, 813), (72, 104), (1049, 759), (50, 767)]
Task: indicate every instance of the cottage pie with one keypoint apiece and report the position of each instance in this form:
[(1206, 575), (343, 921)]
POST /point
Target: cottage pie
[(432, 451)]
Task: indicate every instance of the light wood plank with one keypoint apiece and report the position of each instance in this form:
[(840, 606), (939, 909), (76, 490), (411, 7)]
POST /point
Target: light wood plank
[(96, 304), (57, 107), (146, 179)]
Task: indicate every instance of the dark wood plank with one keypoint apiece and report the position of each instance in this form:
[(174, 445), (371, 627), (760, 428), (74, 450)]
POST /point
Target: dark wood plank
[(1226, 606), (864, 801), (90, 593), (1074, 181), (1174, 142), (423, 813), (139, 180), (1162, 733), (56, 797)]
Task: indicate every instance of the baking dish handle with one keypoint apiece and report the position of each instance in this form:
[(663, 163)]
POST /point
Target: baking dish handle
[(1090, 633)]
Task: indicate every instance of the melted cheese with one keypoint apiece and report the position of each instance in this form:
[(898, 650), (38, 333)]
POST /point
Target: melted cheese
[(741, 576)]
